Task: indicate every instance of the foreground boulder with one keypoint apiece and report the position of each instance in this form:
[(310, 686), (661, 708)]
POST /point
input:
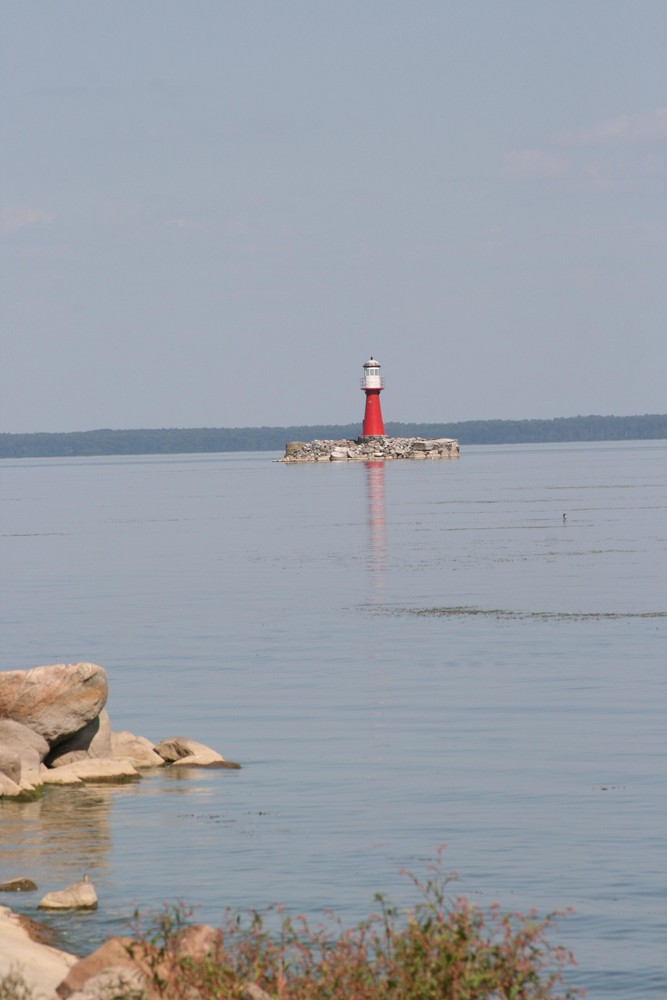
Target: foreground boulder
[(111, 959), (55, 701), (121, 967), (41, 965), (123, 960)]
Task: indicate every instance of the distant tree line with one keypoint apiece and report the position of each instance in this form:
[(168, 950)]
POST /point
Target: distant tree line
[(173, 441)]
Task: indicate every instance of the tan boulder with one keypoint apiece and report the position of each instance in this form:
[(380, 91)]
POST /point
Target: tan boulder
[(115, 983), (78, 896), (198, 941), (184, 751), (205, 758), (59, 776), (251, 991), (55, 701), (89, 770), (91, 742), (41, 965), (21, 753), (137, 963), (8, 788), (10, 763), (113, 955), (135, 748)]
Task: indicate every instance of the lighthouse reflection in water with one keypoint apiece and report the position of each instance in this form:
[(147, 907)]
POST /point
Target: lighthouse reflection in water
[(377, 540)]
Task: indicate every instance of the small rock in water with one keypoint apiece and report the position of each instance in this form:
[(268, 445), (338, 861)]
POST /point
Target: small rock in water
[(79, 896), (184, 751)]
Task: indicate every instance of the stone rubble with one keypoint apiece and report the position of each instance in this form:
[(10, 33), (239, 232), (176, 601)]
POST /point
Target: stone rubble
[(370, 449)]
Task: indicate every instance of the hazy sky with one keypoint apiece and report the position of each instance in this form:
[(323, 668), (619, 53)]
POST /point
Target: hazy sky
[(213, 211)]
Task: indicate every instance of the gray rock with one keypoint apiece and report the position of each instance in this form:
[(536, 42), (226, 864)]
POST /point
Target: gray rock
[(21, 753), (55, 701)]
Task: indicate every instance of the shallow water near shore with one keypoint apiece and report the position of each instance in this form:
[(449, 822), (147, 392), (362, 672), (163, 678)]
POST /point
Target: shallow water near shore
[(400, 655)]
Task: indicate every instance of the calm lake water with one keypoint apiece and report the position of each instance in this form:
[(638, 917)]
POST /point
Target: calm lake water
[(399, 655)]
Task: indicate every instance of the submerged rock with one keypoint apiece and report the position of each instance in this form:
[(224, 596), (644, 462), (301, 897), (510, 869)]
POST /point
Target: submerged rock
[(18, 885)]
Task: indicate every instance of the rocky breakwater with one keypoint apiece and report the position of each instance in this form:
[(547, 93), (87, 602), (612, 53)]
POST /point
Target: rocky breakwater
[(371, 449), (55, 730)]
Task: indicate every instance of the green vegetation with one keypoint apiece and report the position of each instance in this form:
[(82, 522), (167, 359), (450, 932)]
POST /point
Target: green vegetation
[(442, 949), (173, 441)]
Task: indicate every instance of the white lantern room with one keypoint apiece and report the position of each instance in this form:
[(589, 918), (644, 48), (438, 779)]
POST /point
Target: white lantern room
[(372, 378)]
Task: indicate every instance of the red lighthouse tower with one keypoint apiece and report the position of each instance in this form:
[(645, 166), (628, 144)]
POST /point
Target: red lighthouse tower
[(372, 384)]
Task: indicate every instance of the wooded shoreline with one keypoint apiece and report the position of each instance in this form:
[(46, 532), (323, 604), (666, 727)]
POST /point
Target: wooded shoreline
[(174, 441)]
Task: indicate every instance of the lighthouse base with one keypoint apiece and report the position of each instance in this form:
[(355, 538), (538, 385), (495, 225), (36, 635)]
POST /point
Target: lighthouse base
[(371, 448)]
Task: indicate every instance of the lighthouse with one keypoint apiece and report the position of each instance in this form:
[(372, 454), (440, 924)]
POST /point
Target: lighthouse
[(372, 384)]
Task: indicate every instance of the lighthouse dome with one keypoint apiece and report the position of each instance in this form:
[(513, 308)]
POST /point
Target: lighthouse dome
[(372, 363)]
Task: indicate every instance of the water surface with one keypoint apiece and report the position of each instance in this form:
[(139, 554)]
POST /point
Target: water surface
[(399, 655)]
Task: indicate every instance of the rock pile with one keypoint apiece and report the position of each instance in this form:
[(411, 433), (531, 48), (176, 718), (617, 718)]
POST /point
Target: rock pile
[(54, 730), (369, 449)]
